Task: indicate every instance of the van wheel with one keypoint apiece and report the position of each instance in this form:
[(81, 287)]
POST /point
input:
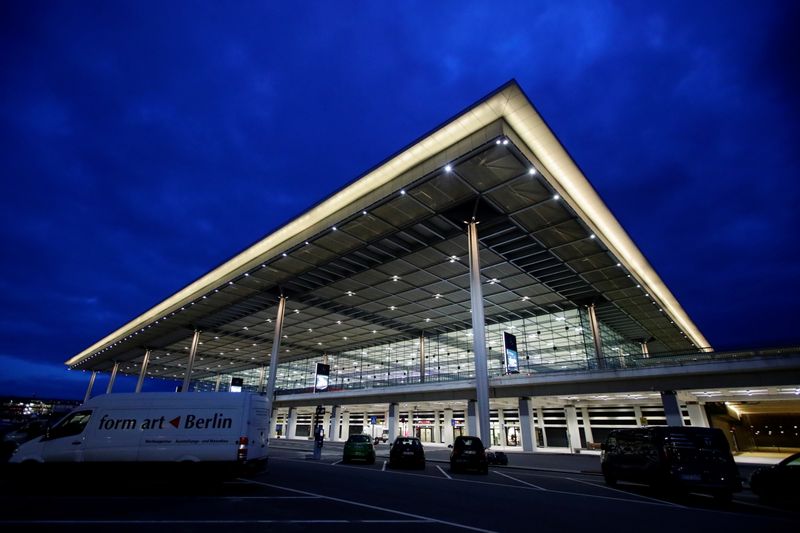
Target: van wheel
[(610, 480)]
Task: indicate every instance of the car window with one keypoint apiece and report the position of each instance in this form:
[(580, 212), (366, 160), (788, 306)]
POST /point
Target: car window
[(468, 442), (792, 461), (359, 438), (73, 424)]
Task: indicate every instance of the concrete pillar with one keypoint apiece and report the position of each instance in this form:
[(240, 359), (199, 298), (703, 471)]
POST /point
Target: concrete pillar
[(89, 388), (273, 426), (291, 423), (472, 426), (333, 434), (143, 371), (526, 425), (326, 423), (587, 426), (392, 422), (113, 377), (447, 427), (672, 410), (187, 379), (573, 431), (697, 415), (478, 335), (273, 359), (645, 350), (540, 423), (437, 428), (217, 382), (501, 424), (345, 425), (594, 325), (637, 413)]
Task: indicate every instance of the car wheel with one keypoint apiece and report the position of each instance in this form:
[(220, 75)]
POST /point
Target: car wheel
[(485, 470), (453, 468), (610, 480), (371, 460), (422, 465)]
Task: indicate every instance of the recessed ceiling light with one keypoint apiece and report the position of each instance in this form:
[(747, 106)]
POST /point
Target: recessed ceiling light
[(556, 197), (448, 168), (531, 171), (592, 236)]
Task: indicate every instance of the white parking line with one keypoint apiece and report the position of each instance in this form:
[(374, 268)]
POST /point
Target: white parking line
[(443, 472), (627, 493), (200, 522), (383, 468), (520, 481), (368, 506), (336, 462)]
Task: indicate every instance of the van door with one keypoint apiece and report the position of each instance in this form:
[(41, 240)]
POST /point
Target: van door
[(65, 441)]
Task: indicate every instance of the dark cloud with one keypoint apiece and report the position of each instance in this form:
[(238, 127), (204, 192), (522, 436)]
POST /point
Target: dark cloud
[(142, 143)]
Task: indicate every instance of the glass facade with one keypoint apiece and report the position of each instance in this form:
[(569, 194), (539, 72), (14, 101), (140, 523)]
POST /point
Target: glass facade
[(546, 343)]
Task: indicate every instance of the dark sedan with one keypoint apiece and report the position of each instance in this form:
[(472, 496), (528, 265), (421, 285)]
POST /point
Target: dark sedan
[(777, 483), (406, 451), (468, 454)]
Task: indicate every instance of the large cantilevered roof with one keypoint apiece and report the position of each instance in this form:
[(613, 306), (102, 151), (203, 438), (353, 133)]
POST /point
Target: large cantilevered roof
[(384, 258)]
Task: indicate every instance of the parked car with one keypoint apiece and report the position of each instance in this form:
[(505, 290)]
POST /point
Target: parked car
[(406, 451), (673, 458), (496, 458), (22, 433), (468, 453), (358, 448), (778, 483)]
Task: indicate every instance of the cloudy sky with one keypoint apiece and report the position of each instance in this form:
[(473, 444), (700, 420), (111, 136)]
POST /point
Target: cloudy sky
[(142, 143)]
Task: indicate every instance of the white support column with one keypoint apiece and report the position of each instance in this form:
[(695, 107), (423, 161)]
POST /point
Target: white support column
[(447, 427), (540, 423), (478, 335), (365, 423), (393, 421), (501, 424), (598, 343), (697, 415), (333, 434), (273, 358), (190, 364), (291, 423), (326, 424), (345, 425), (672, 411), (217, 382), (587, 426), (262, 374), (89, 388), (526, 425), (143, 371), (645, 350), (637, 413), (573, 432), (113, 377), (273, 426), (471, 422), (437, 428), (421, 358)]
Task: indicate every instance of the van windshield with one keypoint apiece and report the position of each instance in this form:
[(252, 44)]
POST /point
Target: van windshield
[(697, 445)]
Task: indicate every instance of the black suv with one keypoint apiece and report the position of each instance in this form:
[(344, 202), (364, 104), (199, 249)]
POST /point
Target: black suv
[(674, 458), (468, 453), (406, 451)]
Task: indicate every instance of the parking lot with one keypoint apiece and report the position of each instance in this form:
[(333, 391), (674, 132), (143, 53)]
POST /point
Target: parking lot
[(298, 494)]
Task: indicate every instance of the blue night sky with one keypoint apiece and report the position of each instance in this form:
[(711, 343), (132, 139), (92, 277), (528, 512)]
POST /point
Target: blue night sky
[(142, 143)]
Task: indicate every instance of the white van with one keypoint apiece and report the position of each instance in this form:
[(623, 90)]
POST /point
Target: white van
[(223, 429)]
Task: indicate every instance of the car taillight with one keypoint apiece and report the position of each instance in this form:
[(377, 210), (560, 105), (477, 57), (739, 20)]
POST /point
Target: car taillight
[(241, 453)]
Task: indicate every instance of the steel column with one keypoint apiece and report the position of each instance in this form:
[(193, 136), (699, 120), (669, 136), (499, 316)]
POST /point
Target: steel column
[(218, 382), (393, 422), (478, 333), (598, 343), (143, 371), (89, 388), (273, 358), (526, 425), (113, 377), (190, 364), (421, 358), (672, 411)]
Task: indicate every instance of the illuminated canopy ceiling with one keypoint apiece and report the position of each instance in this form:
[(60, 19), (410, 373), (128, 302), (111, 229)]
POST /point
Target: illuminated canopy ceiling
[(385, 258)]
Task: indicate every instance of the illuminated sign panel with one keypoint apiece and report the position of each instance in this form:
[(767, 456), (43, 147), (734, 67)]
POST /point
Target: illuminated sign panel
[(510, 353), (321, 377)]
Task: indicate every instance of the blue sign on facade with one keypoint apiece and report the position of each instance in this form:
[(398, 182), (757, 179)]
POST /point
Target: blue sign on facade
[(373, 420)]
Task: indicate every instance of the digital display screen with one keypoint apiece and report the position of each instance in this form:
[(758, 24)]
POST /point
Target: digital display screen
[(510, 352), (321, 377), (236, 384)]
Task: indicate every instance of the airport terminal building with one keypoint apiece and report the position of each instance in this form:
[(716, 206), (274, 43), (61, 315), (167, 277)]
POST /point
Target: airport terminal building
[(472, 283)]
